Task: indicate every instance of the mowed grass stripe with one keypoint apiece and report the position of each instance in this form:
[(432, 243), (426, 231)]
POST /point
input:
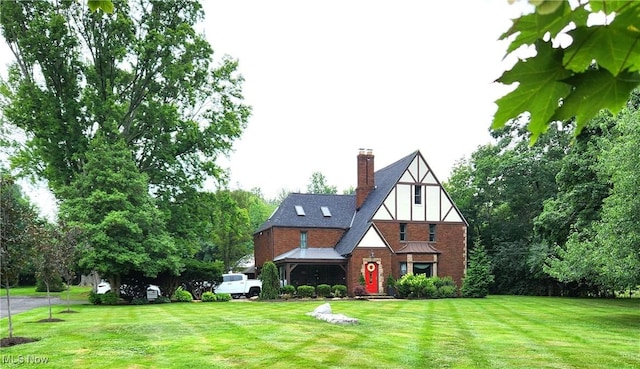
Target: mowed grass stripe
[(497, 332)]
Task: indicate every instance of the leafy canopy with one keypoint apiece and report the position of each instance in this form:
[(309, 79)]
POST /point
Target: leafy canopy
[(597, 70)]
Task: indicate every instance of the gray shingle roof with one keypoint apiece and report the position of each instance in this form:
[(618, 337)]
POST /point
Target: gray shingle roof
[(341, 207)]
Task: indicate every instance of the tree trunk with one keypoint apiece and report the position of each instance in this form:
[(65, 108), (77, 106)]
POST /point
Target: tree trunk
[(9, 307), (49, 299)]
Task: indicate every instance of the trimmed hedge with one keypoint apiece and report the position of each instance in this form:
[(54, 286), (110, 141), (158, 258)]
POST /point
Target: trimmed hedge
[(306, 291), (339, 290), (323, 290)]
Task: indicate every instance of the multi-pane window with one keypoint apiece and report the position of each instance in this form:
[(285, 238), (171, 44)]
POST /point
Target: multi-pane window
[(403, 268), (403, 231), (417, 194), (303, 240), (432, 233)]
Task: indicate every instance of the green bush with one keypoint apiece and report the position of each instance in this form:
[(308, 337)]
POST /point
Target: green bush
[(94, 298), (323, 290), (208, 296), (162, 300), (223, 297), (446, 292), (139, 301), (109, 298), (287, 289), (182, 296), (306, 291), (56, 285), (339, 290), (270, 281), (419, 287)]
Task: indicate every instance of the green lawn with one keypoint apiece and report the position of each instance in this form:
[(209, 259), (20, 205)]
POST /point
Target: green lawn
[(496, 332), (75, 294)]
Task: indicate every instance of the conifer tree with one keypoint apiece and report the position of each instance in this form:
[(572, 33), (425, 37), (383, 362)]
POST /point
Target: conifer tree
[(479, 278)]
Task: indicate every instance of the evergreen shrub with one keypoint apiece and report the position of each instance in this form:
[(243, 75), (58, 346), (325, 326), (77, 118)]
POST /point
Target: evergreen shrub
[(306, 291), (339, 290), (323, 290)]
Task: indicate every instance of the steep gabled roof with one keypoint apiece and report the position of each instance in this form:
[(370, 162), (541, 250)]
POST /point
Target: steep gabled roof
[(338, 212), (385, 180)]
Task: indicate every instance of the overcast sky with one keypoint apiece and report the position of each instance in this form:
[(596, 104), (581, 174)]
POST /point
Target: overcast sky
[(325, 78)]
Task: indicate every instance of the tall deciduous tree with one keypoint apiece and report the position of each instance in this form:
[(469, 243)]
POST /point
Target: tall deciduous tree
[(605, 253), (17, 223), (598, 69), (501, 190), (143, 68), (123, 230), (318, 184)]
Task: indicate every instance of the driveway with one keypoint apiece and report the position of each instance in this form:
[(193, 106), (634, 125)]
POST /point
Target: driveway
[(20, 304)]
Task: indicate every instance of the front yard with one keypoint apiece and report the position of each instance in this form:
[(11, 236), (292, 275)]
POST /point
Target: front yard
[(496, 332)]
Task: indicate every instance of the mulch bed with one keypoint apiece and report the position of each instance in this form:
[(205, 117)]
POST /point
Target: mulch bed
[(50, 320), (6, 342)]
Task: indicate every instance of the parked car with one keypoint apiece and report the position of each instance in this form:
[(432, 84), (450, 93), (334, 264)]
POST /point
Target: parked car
[(238, 284)]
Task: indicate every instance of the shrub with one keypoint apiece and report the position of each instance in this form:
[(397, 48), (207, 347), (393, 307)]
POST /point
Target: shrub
[(288, 289), (94, 298), (182, 296), (223, 297), (139, 301), (323, 290), (56, 285), (339, 290), (447, 292), (162, 300), (306, 291), (208, 296), (270, 281), (109, 298), (444, 281), (359, 290)]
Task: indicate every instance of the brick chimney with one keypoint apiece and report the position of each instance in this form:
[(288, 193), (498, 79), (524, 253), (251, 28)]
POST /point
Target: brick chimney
[(366, 182)]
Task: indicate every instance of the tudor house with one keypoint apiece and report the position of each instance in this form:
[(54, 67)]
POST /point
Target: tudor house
[(400, 220)]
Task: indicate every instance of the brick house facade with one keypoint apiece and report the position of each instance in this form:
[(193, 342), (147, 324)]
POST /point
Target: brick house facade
[(400, 220)]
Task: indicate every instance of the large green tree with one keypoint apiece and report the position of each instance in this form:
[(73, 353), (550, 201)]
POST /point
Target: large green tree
[(123, 230), (143, 68), (18, 228), (596, 69), (500, 190), (604, 252)]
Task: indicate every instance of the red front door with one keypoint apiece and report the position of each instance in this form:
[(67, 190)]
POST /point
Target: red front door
[(371, 277)]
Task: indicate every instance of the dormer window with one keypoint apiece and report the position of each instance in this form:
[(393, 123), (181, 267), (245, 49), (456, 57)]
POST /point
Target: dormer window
[(300, 210), (417, 195), (325, 211)]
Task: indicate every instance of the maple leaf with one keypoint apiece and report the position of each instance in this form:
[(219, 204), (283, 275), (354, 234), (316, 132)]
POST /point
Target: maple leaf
[(540, 89), (614, 49), (595, 90)]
